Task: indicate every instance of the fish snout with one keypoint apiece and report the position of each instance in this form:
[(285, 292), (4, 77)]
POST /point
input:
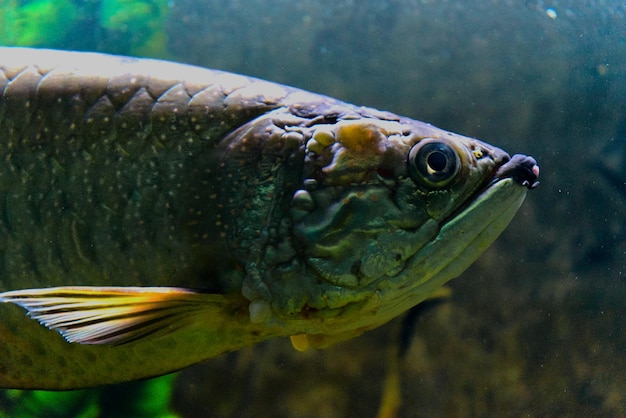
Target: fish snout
[(521, 168)]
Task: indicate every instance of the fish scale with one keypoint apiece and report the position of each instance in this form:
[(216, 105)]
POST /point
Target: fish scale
[(158, 214)]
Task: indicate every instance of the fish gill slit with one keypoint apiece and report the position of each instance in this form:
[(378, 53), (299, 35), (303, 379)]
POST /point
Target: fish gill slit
[(81, 244)]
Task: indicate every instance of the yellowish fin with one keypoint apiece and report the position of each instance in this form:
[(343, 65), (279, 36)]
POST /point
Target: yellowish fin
[(443, 293), (110, 315), (300, 342)]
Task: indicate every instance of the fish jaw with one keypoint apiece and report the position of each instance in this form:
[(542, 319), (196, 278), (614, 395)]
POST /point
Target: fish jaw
[(364, 209), (456, 243)]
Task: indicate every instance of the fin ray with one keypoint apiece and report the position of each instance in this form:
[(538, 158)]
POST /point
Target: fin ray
[(110, 315)]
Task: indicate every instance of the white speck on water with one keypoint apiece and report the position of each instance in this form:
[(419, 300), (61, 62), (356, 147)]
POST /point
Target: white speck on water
[(551, 13)]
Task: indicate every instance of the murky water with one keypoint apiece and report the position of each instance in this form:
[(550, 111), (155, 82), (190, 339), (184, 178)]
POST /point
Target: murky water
[(535, 327)]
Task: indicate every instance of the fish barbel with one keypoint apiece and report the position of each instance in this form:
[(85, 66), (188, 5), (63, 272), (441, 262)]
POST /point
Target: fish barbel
[(155, 214)]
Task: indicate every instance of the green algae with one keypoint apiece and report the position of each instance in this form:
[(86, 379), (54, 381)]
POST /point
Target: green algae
[(145, 399), (124, 26), (36, 23), (141, 22)]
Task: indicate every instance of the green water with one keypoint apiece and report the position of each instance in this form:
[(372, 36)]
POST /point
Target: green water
[(535, 327)]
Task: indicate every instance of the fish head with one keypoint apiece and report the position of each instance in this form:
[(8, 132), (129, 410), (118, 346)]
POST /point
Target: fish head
[(392, 209)]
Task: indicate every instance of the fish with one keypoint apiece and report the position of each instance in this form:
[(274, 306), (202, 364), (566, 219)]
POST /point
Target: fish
[(155, 214)]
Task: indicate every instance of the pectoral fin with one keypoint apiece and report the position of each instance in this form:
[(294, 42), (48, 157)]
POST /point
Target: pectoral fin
[(112, 315), (116, 334)]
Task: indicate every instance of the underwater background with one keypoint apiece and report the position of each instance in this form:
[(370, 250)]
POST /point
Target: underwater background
[(536, 326)]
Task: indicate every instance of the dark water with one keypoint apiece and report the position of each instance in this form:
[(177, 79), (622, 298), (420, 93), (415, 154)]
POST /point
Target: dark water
[(535, 327)]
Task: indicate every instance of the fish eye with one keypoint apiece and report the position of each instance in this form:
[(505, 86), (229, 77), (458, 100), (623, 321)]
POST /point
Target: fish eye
[(433, 163)]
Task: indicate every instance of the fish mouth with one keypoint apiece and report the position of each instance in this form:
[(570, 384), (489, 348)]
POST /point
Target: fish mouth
[(522, 169), (481, 219)]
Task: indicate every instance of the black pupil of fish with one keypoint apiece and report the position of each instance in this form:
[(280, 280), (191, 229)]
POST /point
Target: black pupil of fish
[(437, 161)]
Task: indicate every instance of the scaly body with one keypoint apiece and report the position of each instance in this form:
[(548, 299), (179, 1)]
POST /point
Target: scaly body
[(285, 213)]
